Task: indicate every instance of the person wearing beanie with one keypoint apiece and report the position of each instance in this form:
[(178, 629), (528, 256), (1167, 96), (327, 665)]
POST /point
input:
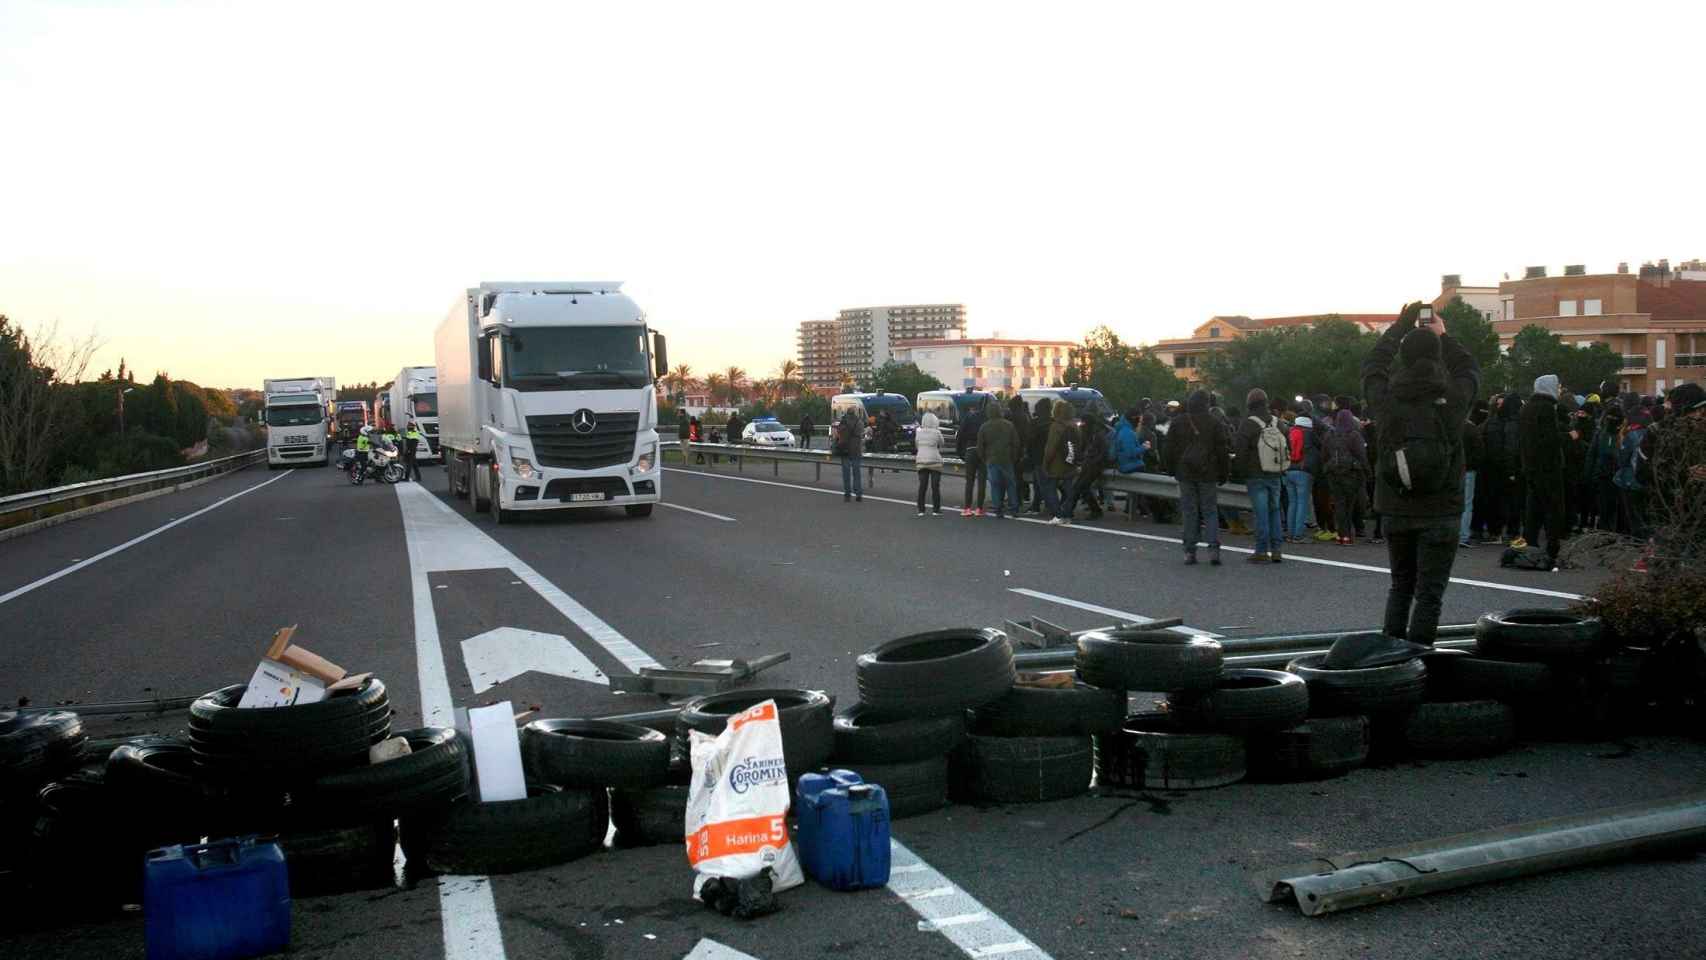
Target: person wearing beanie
[(1198, 458), (1420, 403), (1263, 457), (1305, 455), (1542, 447)]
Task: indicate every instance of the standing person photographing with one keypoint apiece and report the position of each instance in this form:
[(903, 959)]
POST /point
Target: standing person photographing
[(1420, 403)]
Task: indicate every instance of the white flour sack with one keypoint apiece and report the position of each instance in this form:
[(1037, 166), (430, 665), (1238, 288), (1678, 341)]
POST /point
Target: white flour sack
[(737, 805)]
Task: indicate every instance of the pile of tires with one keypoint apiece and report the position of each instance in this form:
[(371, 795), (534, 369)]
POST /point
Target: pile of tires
[(632, 769), (1382, 697), (1555, 671), (287, 747)]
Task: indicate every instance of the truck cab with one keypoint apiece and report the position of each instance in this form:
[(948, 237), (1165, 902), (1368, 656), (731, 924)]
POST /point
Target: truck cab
[(413, 397), (546, 398), (299, 421)]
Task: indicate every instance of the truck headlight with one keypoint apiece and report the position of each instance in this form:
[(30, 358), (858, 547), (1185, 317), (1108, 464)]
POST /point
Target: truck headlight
[(523, 467), (648, 456)]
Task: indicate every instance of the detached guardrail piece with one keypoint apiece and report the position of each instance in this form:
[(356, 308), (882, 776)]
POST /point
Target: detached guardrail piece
[(1394, 873), (700, 677), (1261, 651)]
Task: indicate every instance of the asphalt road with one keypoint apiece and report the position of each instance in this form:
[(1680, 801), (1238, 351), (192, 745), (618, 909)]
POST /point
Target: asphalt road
[(772, 562)]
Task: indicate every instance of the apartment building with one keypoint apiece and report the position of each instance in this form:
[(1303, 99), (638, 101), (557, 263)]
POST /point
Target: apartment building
[(820, 353), (993, 363), (860, 339), (1185, 355), (1656, 318)]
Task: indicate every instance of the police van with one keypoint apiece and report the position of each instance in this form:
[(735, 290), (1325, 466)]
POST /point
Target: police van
[(872, 405), (1086, 401), (951, 408)]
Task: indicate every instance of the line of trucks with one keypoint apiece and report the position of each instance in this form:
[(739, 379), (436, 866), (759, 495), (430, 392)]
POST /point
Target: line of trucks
[(542, 397)]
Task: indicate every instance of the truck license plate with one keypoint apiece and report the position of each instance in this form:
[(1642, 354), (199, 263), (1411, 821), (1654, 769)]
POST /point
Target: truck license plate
[(581, 497)]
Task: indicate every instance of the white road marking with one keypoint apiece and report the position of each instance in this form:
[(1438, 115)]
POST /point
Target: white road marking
[(712, 950), (440, 540), (1123, 615), (966, 923), (1157, 538), (44, 581), (702, 513), (500, 655)]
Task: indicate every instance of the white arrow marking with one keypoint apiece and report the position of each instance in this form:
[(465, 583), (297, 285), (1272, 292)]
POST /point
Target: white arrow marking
[(712, 950), (508, 652)]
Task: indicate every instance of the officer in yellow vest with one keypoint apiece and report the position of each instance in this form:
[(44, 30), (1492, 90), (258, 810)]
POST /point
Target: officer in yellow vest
[(411, 440), (362, 445)]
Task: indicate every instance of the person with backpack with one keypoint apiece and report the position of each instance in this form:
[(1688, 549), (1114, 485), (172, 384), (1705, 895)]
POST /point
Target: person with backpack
[(1346, 469), (927, 444), (1265, 454), (847, 441), (1198, 458), (1420, 404), (1542, 453), (965, 447), (1305, 456)]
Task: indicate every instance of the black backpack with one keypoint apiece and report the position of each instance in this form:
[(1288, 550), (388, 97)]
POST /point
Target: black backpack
[(1416, 451), (1341, 459)]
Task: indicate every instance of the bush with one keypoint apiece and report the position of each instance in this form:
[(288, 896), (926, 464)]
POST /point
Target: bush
[(1644, 609)]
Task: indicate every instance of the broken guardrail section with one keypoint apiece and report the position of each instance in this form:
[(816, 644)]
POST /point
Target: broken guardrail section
[(1394, 873)]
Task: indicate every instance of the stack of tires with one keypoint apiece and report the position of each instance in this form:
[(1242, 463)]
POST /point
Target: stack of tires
[(1157, 748), (1550, 672), (1368, 704)]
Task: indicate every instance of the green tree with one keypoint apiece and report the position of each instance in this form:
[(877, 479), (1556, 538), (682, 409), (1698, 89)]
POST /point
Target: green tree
[(1468, 327), (1125, 373), (1290, 361), (39, 412), (902, 378), (1535, 352)]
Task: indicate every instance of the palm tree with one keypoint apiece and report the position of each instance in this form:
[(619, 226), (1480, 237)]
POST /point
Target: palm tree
[(717, 386), (736, 381), (788, 380), (678, 378)]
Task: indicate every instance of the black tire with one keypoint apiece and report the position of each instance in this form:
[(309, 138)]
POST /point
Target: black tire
[(638, 510), (287, 746), (158, 778), (1312, 750), (340, 859), (862, 738), (1478, 677), (1150, 751), (553, 825), (650, 817), (1539, 634), (913, 788), (1473, 728), (432, 776), (594, 753), (1155, 660), (1245, 701), (1020, 769), (1033, 711), (34, 747), (1368, 691), (219, 711), (935, 674), (807, 719), (478, 501)]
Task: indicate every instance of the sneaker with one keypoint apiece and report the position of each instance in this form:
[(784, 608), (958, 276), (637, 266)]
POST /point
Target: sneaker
[(1065, 521), (1464, 544), (921, 513), (1274, 557), (1325, 536), (965, 511), (1377, 541), (1257, 558), (1346, 541), (935, 513), (1054, 521), (980, 512)]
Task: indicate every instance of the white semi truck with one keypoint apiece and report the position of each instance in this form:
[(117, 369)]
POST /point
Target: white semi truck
[(414, 396), (546, 398), (299, 420)]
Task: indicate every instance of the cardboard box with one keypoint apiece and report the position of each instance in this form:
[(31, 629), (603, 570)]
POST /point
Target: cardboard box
[(290, 675), (496, 747)]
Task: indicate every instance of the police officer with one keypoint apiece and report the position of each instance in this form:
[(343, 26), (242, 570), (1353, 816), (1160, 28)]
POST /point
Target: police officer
[(363, 443), (411, 440)]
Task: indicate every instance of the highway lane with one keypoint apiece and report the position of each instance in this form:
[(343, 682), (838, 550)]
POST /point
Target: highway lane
[(803, 572)]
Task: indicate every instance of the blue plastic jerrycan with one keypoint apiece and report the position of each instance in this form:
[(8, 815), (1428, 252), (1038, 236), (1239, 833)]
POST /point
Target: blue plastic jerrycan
[(216, 901), (844, 830)]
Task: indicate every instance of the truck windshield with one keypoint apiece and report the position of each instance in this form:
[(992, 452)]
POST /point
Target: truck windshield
[(575, 358), (426, 404), (294, 416)]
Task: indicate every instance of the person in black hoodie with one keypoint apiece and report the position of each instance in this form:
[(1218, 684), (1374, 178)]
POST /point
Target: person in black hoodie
[(1542, 436), (1420, 405), (1035, 441), (1092, 463), (965, 447), (1021, 418), (1471, 467), (806, 428), (1198, 458), (1502, 468)]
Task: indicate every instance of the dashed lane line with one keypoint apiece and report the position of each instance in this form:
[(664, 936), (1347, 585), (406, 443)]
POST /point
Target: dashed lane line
[(1157, 538), (97, 558), (702, 513), (952, 912)]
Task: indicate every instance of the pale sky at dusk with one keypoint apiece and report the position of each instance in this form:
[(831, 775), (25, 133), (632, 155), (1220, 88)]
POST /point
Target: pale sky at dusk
[(243, 190)]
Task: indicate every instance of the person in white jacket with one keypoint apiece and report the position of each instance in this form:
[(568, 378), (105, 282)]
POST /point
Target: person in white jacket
[(928, 439)]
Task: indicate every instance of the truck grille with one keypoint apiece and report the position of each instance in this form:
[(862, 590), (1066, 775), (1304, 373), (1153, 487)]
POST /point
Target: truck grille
[(608, 444)]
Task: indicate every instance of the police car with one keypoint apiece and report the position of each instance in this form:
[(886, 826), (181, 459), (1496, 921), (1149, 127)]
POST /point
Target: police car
[(768, 432)]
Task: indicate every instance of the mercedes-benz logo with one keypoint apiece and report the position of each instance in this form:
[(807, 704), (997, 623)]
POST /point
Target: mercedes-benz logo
[(585, 421)]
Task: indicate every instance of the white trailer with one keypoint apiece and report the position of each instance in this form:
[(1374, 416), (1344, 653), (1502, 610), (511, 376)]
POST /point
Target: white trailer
[(299, 417), (414, 397), (546, 398)]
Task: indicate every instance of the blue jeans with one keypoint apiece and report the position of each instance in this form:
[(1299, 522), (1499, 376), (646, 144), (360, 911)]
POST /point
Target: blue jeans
[(1265, 500), (1051, 492), (851, 481), (1297, 490), (1199, 513), (1468, 505), (1003, 487)]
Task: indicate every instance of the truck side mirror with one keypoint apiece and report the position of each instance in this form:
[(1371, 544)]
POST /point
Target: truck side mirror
[(660, 355), (486, 358)]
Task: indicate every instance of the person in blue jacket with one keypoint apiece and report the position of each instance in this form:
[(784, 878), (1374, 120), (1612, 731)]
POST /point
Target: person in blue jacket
[(1129, 450)]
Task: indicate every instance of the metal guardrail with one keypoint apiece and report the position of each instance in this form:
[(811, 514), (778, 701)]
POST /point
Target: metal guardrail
[(22, 508), (1232, 495)]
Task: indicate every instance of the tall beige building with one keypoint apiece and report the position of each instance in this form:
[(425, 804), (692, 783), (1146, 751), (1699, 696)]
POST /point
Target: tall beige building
[(862, 339), (820, 354)]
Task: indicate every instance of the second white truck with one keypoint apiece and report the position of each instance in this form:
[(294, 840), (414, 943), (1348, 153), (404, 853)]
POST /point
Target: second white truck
[(414, 397), (546, 398), (299, 420)]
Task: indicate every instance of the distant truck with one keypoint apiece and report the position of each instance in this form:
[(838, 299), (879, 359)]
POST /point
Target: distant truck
[(352, 416), (299, 420), (414, 396), (547, 398)]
